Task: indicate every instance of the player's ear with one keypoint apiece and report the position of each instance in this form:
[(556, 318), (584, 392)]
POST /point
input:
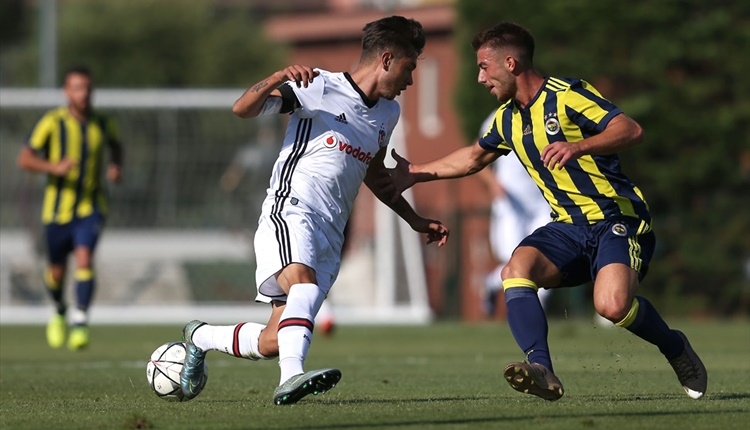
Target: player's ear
[(386, 58), (510, 63)]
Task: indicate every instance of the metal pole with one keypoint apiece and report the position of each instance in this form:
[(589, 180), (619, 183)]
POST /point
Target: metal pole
[(48, 43)]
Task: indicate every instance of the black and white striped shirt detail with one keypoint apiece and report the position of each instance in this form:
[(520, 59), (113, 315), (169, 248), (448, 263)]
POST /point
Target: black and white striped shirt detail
[(301, 140)]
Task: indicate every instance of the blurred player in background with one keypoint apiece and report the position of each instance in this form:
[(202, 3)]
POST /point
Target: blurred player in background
[(567, 136), (336, 139), (518, 209), (68, 144)]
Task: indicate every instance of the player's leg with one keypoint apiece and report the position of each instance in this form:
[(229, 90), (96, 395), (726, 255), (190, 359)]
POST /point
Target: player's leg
[(240, 340), (624, 256), (59, 245), (85, 237), (526, 270), (294, 336)]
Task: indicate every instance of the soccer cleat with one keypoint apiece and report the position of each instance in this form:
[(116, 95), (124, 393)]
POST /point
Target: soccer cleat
[(79, 338), (533, 378), (56, 331), (314, 382), (191, 375), (690, 370)]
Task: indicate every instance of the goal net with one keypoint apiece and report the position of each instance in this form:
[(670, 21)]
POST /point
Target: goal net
[(178, 240)]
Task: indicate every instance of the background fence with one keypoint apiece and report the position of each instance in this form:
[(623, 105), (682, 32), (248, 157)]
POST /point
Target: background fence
[(178, 239)]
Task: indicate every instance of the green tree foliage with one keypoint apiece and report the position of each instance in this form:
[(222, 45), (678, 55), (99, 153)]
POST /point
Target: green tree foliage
[(164, 43), (680, 69)]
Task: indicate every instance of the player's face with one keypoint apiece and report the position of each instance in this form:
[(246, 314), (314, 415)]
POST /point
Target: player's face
[(78, 89), (494, 75), (399, 76)]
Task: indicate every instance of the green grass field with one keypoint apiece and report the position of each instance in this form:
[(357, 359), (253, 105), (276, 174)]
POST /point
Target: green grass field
[(446, 376)]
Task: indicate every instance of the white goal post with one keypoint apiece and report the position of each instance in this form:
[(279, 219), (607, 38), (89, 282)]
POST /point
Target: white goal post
[(151, 255)]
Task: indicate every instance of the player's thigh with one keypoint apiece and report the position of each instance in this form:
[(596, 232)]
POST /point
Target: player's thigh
[(295, 273), (530, 263), (614, 290), (59, 243), (295, 247), (86, 232), (624, 251), (557, 260)]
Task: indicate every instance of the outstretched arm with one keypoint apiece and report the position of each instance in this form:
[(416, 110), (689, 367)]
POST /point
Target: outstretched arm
[(378, 181), (459, 163), (252, 101)]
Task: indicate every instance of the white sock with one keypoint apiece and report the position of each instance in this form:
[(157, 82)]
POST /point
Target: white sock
[(295, 328), (239, 340), (79, 317)]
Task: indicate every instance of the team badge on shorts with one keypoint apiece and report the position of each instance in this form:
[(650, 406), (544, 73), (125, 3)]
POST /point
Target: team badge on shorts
[(619, 230)]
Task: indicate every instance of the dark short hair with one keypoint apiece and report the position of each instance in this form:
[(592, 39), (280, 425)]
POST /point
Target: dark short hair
[(404, 36), (504, 35), (77, 70)]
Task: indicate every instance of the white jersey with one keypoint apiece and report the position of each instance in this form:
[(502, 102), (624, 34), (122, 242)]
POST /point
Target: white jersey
[(328, 147)]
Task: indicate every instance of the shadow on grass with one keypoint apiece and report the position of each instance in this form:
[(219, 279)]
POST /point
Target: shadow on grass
[(523, 418)]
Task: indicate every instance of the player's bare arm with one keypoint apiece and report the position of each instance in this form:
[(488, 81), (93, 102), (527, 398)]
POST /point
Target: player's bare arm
[(28, 160), (378, 181), (620, 134), (459, 163), (114, 169), (252, 101)]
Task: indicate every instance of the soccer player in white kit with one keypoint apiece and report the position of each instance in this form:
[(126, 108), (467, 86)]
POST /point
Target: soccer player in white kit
[(336, 139), (518, 208)]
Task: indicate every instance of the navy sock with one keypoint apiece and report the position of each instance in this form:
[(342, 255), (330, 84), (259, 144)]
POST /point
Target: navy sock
[(528, 323), (649, 326), (85, 286)]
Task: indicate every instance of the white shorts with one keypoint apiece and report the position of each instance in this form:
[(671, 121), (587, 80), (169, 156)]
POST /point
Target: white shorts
[(294, 235), (511, 223)]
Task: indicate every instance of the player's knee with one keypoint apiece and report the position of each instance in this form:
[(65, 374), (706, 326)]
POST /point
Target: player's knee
[(613, 310), (512, 270), (268, 343)]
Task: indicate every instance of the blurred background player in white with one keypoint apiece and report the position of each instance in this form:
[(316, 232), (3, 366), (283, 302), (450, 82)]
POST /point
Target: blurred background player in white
[(518, 209), (336, 139)]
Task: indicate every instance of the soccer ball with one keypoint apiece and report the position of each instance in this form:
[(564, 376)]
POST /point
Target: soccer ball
[(163, 371)]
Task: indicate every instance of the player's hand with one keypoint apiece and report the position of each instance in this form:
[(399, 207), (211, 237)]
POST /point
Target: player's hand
[(62, 167), (436, 231), (300, 75), (401, 178), (558, 154), (114, 173)]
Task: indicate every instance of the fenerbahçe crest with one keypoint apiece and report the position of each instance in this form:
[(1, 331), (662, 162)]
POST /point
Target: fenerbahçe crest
[(551, 124)]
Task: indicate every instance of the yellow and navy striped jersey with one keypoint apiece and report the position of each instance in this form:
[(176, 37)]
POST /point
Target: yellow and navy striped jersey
[(586, 190), (82, 191)]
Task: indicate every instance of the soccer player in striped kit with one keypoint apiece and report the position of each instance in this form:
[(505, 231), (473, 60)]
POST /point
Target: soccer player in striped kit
[(69, 144), (567, 136), (336, 139)]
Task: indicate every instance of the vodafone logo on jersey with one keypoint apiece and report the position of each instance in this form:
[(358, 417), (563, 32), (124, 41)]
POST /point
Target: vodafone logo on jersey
[(333, 142)]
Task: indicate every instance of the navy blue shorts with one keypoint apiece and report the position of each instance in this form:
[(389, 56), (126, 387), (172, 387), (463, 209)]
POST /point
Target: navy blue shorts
[(62, 239), (579, 252)]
